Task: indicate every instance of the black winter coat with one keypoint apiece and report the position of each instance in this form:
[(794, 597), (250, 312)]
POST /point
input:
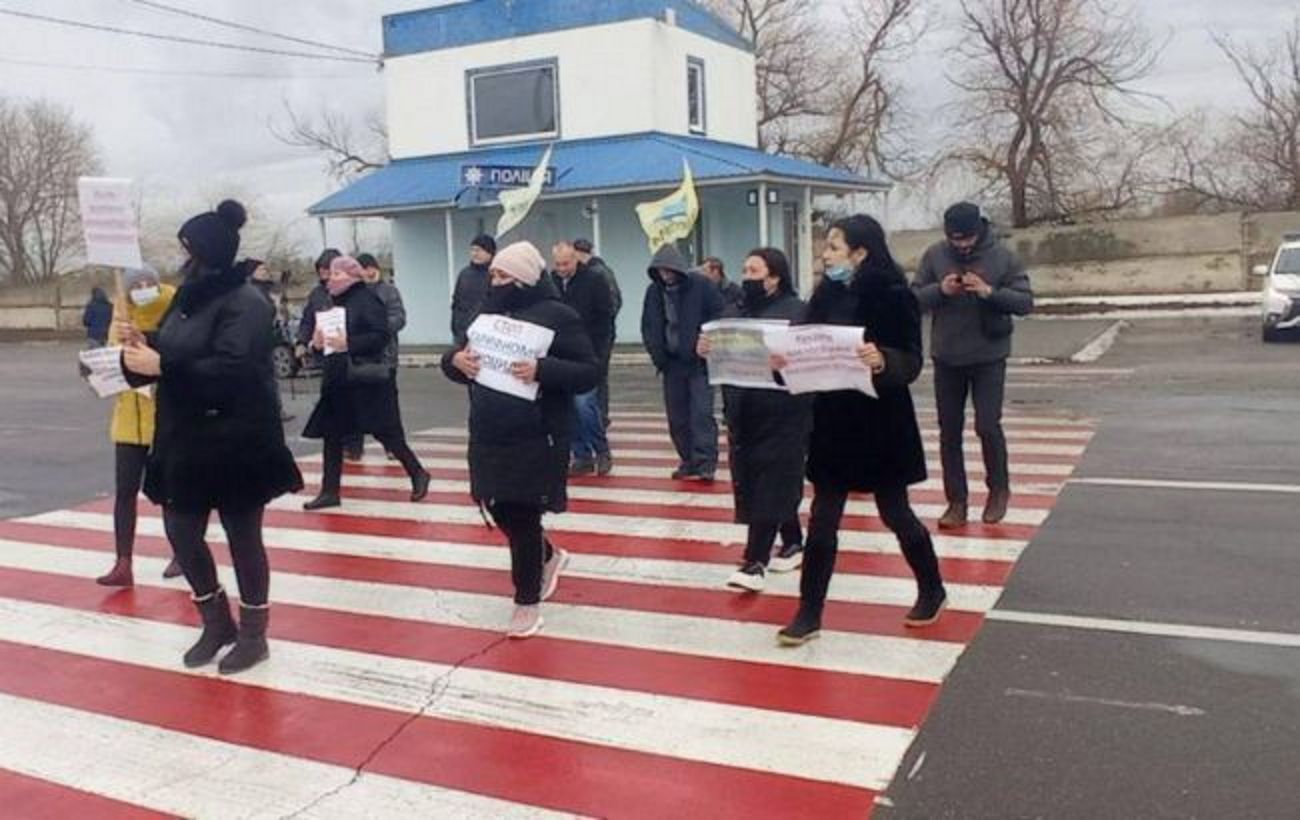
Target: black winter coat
[(767, 431), (860, 443), (519, 449), (698, 301), (349, 409), (218, 441), (589, 295), (471, 286)]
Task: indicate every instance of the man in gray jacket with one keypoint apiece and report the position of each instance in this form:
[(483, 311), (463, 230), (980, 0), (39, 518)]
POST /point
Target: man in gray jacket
[(972, 284)]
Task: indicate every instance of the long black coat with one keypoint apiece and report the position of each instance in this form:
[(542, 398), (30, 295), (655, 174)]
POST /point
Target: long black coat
[(860, 443), (353, 409), (767, 431), (218, 442), (519, 449)]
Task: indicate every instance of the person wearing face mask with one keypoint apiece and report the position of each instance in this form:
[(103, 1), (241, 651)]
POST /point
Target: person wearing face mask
[(357, 396), (864, 444), (767, 431), (218, 442), (133, 423), (972, 285), (519, 449)]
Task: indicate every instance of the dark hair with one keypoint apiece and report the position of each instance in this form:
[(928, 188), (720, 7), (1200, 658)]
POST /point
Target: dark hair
[(777, 265), (326, 258), (715, 262), (862, 231), (486, 242), (367, 260), (583, 245)]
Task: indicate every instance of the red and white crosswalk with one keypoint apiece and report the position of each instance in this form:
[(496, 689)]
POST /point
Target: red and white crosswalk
[(391, 693)]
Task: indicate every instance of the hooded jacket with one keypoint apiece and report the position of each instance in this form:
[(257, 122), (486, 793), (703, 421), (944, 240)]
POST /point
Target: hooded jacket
[(671, 316)]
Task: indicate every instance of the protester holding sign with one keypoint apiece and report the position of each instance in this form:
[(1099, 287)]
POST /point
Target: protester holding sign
[(133, 423), (860, 443), (356, 392), (218, 443), (767, 431), (519, 446)]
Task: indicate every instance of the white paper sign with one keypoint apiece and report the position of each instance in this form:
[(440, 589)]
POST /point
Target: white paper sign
[(739, 355), (500, 342), (106, 376), (331, 323), (821, 358), (109, 221)]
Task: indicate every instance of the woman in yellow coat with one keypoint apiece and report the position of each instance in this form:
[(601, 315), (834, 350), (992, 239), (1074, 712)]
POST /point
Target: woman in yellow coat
[(133, 423)]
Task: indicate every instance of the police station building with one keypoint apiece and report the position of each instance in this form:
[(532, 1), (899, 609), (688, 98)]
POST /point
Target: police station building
[(623, 90)]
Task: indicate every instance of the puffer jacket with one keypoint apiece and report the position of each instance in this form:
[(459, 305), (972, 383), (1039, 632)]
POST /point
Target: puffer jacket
[(133, 412)]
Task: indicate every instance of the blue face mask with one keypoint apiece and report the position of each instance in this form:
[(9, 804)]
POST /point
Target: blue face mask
[(838, 273)]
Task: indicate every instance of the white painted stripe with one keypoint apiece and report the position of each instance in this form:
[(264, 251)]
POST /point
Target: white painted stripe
[(192, 776), (1214, 486), (1008, 417), (1153, 628), (858, 654), (846, 752), (1100, 344), (854, 588), (615, 526), (972, 440), (617, 495)]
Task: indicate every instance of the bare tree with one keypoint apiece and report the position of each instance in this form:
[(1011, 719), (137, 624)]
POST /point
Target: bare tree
[(349, 151), (1042, 80), (42, 152)]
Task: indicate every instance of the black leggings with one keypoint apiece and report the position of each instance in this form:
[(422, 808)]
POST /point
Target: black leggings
[(129, 461), (529, 547), (823, 542), (332, 478), (186, 532), (762, 535)]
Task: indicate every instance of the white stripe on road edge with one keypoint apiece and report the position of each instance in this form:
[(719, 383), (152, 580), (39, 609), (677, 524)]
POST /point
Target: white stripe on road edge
[(192, 776), (1011, 419), (848, 752), (1099, 346), (1216, 486), (853, 653), (1160, 630)]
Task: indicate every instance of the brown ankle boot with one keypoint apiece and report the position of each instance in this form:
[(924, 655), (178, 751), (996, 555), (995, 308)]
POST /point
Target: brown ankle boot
[(995, 509), (954, 517), (119, 576)]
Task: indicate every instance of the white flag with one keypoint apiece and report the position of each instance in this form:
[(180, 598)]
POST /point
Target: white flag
[(517, 202)]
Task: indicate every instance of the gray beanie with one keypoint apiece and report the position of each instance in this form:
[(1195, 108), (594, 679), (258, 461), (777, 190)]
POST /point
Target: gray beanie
[(138, 276)]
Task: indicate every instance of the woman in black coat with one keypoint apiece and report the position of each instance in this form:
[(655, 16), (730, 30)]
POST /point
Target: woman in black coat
[(218, 443), (767, 432), (356, 391), (861, 444), (519, 449)]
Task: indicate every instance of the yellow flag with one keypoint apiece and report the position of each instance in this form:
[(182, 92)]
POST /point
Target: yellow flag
[(517, 202), (673, 217)]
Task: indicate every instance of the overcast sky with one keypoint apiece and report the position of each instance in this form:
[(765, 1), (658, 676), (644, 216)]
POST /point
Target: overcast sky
[(189, 138)]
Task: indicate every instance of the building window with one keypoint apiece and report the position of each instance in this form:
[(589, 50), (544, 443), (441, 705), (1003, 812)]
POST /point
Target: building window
[(513, 102), (695, 104)]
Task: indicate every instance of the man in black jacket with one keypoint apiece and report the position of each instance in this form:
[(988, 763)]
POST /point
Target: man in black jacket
[(587, 258), (677, 302), (471, 285), (587, 292), (733, 297)]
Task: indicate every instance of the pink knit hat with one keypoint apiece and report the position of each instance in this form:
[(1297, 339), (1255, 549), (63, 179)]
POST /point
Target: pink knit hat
[(521, 262), (347, 265)]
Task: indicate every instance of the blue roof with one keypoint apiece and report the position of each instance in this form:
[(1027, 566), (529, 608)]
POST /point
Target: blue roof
[(482, 21), (634, 161)]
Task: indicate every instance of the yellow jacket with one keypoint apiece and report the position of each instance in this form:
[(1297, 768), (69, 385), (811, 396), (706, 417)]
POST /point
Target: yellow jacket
[(133, 413)]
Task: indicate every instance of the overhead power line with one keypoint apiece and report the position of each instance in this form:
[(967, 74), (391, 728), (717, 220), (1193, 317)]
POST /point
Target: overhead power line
[(187, 40), (252, 29), (142, 70)]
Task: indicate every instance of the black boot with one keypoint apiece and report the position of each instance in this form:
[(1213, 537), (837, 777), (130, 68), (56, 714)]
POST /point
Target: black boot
[(250, 649), (322, 502), (929, 603), (806, 625), (420, 486), (218, 628)]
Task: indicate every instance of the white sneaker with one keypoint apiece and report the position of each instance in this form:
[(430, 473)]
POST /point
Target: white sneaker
[(551, 572), (788, 559), (749, 577), (526, 622)]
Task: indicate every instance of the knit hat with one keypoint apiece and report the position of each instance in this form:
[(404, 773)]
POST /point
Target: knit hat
[(134, 277), (963, 219), (521, 262), (485, 242), (213, 237), (346, 265), (583, 246)]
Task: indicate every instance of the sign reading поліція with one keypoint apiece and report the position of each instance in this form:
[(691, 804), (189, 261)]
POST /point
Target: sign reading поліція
[(501, 176)]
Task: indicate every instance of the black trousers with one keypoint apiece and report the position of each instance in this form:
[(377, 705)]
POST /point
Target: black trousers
[(823, 542), (529, 548), (332, 470), (128, 464), (986, 385), (186, 531), (762, 535), (688, 399)]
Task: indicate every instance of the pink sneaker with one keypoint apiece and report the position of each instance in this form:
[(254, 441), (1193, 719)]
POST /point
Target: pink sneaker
[(551, 572), (526, 622)]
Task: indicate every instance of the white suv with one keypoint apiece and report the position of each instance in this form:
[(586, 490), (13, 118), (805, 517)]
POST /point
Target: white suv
[(1282, 289)]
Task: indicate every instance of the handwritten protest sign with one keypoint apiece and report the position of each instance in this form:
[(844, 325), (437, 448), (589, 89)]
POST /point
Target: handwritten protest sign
[(739, 355), (501, 342), (821, 358), (109, 221), (106, 376), (332, 323)]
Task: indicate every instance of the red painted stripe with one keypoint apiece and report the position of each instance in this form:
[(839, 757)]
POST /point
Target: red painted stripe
[(35, 799), (526, 768), (863, 698), (867, 619), (956, 570)]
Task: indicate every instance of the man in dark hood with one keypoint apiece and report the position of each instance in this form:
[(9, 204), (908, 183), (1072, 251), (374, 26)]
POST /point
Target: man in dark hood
[(972, 284), (677, 303)]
